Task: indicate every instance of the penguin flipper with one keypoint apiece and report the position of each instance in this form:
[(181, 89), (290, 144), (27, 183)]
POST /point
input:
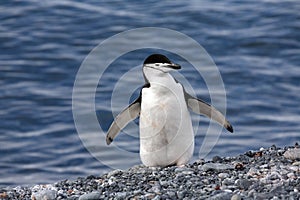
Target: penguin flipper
[(200, 107), (126, 116)]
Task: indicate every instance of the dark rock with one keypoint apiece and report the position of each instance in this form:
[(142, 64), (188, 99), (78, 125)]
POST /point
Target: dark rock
[(217, 159), (244, 183)]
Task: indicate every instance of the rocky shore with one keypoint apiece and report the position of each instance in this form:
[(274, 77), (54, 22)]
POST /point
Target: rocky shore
[(271, 173)]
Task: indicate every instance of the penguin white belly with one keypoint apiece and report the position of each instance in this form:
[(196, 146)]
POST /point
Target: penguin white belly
[(166, 132)]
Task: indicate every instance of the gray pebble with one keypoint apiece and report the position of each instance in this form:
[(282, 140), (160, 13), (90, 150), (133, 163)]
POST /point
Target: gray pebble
[(244, 183), (273, 176), (263, 195), (121, 195), (181, 169), (236, 197), (227, 181), (216, 159), (221, 196), (114, 172), (149, 196), (180, 194), (157, 197), (216, 166), (90, 196), (253, 172), (171, 194)]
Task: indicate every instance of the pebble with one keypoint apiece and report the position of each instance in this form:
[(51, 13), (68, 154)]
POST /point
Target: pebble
[(216, 159), (264, 166), (236, 197), (244, 184), (223, 175), (90, 196), (228, 181), (253, 172), (44, 195), (114, 172), (217, 166), (221, 196), (180, 194), (293, 154), (120, 195), (273, 176), (268, 173), (296, 163)]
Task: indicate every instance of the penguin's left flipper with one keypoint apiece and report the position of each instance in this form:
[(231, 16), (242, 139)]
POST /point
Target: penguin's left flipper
[(200, 107), (126, 116)]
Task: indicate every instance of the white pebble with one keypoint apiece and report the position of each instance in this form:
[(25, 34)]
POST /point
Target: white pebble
[(223, 175), (291, 175), (111, 181), (296, 190), (261, 149), (296, 163), (44, 195), (264, 166), (294, 168), (292, 154)]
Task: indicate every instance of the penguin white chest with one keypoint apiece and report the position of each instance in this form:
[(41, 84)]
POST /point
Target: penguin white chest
[(166, 133)]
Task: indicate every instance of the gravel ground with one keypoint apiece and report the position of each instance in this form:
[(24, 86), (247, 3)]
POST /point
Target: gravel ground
[(271, 173)]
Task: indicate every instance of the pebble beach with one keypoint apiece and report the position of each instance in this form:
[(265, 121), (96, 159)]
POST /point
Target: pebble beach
[(266, 173)]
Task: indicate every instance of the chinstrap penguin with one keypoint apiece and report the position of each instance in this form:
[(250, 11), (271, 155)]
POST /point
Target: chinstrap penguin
[(166, 132)]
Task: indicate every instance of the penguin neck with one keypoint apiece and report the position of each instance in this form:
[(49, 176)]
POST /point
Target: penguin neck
[(156, 76)]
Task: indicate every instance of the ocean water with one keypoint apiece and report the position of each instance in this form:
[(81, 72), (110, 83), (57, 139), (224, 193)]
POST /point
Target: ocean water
[(255, 45)]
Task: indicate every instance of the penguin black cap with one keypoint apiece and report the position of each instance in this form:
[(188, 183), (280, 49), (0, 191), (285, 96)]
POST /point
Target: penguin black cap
[(159, 58)]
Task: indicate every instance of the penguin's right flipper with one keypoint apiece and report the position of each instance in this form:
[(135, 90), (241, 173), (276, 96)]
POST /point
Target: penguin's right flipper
[(126, 116)]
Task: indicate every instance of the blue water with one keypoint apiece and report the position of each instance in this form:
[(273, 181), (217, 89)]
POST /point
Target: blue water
[(256, 46)]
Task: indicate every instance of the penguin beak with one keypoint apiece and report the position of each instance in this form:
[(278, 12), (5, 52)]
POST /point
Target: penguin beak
[(174, 66)]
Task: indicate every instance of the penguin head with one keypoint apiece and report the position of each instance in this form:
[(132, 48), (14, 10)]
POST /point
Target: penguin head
[(160, 62)]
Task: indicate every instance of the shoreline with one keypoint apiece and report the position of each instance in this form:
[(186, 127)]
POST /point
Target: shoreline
[(271, 173)]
